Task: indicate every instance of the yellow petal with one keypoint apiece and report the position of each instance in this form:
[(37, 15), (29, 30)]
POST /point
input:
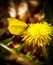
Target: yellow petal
[(25, 37)]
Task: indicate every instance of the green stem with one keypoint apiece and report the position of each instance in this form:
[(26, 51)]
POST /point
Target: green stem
[(45, 54), (7, 48)]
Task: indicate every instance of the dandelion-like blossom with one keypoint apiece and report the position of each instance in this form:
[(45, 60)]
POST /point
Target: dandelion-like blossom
[(38, 34)]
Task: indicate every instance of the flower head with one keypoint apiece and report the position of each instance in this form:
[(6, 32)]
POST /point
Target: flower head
[(38, 34)]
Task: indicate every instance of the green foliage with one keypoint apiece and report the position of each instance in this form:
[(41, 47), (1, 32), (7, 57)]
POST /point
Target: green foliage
[(1, 33), (48, 11), (28, 57), (50, 53), (6, 41), (17, 50), (38, 62), (2, 51), (45, 54), (49, 18)]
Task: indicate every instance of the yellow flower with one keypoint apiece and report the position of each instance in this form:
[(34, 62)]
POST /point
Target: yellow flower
[(38, 34)]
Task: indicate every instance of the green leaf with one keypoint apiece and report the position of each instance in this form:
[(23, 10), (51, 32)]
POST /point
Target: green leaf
[(7, 48), (19, 48), (2, 51), (1, 33), (27, 57), (6, 41), (38, 62)]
